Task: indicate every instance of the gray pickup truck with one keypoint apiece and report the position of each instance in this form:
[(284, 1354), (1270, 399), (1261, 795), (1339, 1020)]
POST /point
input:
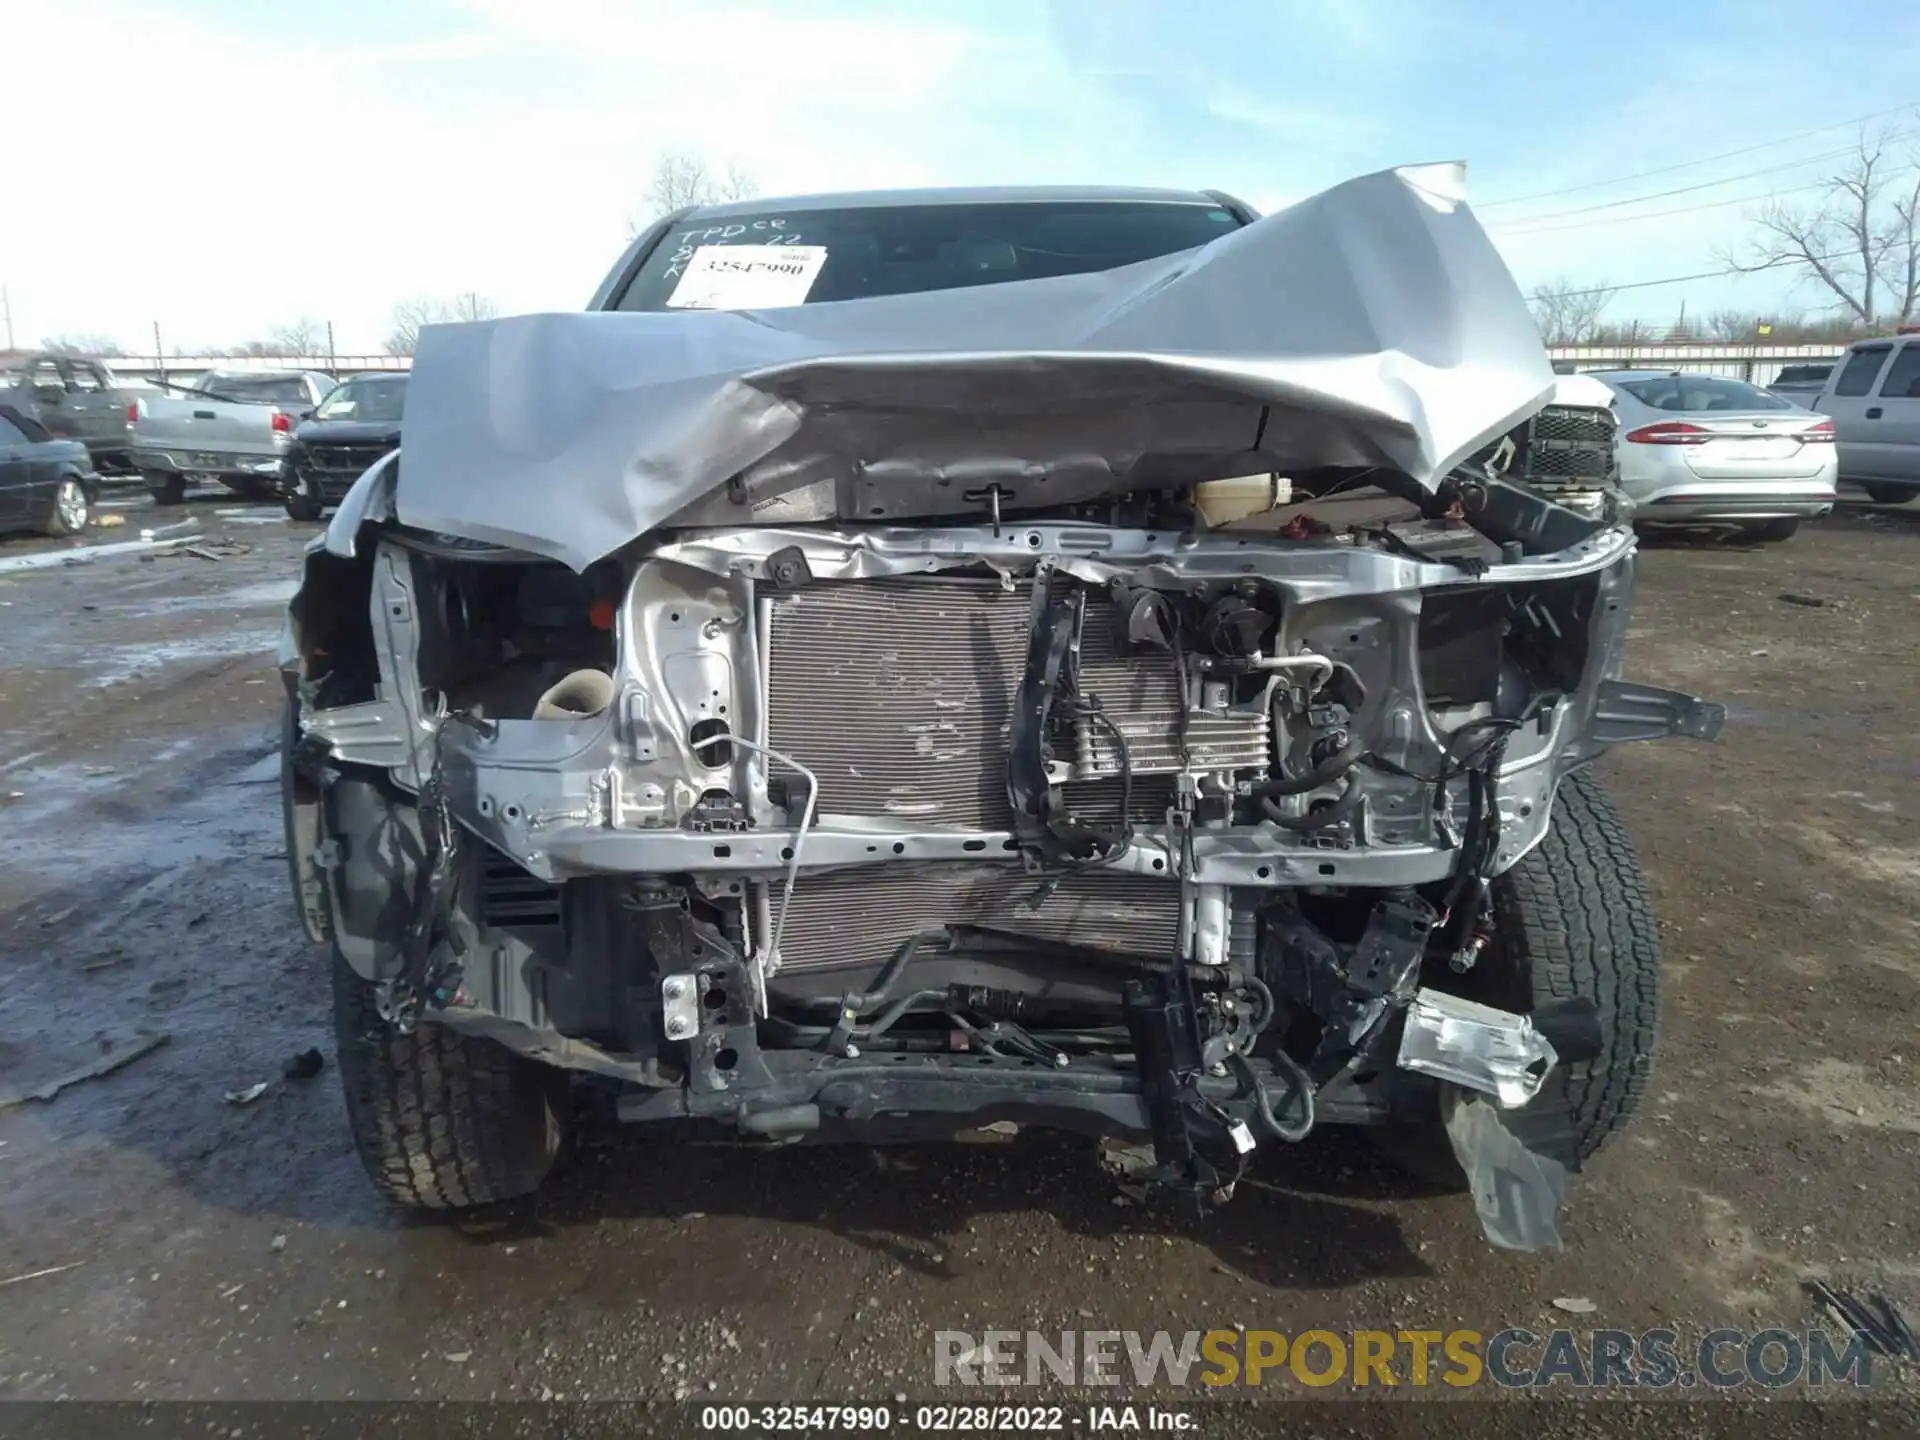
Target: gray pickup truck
[(74, 397), (229, 426)]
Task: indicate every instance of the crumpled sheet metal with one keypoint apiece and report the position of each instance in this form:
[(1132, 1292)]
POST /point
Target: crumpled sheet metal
[(1372, 324)]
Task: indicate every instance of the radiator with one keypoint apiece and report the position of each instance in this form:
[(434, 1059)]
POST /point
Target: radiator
[(859, 917), (898, 695)]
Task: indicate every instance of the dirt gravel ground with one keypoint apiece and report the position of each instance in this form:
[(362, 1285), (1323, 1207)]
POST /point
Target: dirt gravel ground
[(201, 1250)]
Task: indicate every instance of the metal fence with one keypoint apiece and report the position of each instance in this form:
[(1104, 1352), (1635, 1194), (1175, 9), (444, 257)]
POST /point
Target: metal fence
[(1758, 363), (179, 369)]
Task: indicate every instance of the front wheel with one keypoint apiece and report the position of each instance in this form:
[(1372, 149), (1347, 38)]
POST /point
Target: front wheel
[(441, 1120), (71, 509), (302, 507), (1572, 921), (1890, 494), (1768, 531)]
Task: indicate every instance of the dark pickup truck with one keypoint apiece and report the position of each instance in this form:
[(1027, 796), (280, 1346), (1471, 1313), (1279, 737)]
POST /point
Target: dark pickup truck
[(356, 424), (73, 397)]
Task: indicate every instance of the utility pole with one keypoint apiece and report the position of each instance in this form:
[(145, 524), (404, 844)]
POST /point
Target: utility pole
[(159, 355), (6, 304), (333, 366)]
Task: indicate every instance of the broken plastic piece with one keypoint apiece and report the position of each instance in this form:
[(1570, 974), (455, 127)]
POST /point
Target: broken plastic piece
[(1517, 1191), (1493, 1051)]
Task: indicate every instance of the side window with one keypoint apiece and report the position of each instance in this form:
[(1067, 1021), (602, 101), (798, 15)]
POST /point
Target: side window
[(9, 433), (1862, 365), (44, 374), (83, 377), (1903, 376)]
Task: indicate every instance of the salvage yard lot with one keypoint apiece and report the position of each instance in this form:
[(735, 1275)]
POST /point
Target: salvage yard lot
[(236, 1251)]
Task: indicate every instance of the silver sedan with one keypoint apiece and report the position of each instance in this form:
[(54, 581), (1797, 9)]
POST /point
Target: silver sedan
[(1709, 449)]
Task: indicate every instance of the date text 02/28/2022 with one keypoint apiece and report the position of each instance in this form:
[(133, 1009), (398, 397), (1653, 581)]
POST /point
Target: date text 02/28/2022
[(940, 1419)]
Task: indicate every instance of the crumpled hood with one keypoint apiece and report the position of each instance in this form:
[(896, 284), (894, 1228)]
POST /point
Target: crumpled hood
[(1373, 324)]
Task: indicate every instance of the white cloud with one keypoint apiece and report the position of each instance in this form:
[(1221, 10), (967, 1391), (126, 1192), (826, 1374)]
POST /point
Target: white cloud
[(239, 175), (300, 177)]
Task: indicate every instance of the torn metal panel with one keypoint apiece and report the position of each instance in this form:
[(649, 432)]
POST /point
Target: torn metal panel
[(1493, 1051), (1373, 324)]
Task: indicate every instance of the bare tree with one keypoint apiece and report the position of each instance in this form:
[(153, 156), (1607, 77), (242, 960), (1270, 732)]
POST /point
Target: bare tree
[(682, 178), (83, 343), (411, 316), (1738, 325), (1568, 311), (304, 336), (1860, 242)]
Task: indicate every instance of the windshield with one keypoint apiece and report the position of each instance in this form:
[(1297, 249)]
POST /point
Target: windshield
[(1692, 393), (377, 398), (781, 258), (256, 389)]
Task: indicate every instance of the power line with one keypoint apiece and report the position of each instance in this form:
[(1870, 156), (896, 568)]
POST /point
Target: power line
[(1704, 160), (1531, 229), (1702, 275), (1687, 189)]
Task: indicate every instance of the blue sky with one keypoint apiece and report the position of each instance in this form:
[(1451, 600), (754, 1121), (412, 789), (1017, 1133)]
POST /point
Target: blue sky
[(329, 160)]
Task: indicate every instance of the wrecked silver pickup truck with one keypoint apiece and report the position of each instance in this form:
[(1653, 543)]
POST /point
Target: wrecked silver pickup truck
[(803, 695)]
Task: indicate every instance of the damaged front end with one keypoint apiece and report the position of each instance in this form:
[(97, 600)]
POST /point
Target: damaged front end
[(1076, 814)]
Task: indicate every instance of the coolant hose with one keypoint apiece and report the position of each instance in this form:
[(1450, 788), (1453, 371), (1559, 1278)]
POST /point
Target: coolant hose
[(856, 1003), (1329, 769), (1303, 1087), (1343, 806)]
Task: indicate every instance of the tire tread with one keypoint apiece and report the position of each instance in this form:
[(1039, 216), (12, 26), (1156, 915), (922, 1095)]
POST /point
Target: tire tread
[(1580, 924), (442, 1121)]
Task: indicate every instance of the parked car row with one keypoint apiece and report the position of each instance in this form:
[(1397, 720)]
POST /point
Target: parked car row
[(1709, 449), (233, 427), (299, 436), (1693, 448)]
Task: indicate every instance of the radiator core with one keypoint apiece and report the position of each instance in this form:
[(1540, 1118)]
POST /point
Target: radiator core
[(898, 694), (858, 917)]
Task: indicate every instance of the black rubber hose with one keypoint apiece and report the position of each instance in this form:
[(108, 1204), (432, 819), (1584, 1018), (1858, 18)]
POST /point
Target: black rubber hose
[(1268, 1008), (856, 1003), (1344, 806), (1327, 771), (860, 1002), (891, 1016), (1263, 1106)]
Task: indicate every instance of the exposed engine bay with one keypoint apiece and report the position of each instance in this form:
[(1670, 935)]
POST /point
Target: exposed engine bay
[(811, 732), (1201, 823)]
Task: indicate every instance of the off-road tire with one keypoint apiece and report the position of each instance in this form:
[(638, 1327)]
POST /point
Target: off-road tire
[(166, 487), (1572, 921), (1768, 531), (443, 1121), (1890, 494)]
